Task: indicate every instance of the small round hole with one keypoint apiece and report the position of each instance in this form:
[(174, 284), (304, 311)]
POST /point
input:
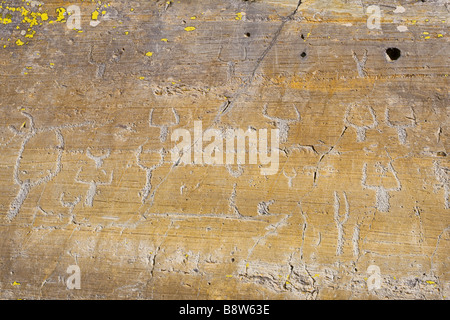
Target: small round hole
[(232, 260), (303, 54), (247, 34), (393, 53)]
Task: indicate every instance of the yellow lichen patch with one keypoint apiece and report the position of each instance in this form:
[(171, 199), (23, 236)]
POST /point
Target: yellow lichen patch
[(189, 28), (307, 36), (44, 16), (20, 42), (149, 54), (16, 283), (31, 34), (7, 19), (94, 15), (61, 14), (164, 40), (239, 16)]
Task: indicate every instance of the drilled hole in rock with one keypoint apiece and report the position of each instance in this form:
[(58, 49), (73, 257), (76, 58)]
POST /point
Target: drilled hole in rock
[(303, 54), (247, 34), (232, 260), (393, 53)]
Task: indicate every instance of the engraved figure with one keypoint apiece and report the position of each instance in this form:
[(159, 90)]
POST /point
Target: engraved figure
[(401, 128), (93, 184), (382, 196), (282, 124), (164, 128), (360, 65), (145, 192), (27, 184), (362, 128)]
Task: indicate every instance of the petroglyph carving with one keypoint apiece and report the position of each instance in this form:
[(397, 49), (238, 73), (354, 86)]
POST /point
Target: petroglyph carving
[(360, 129), (92, 191), (290, 178), (26, 184), (70, 205), (382, 196), (101, 67), (282, 124), (401, 128), (340, 221), (145, 192), (164, 128), (97, 159), (6, 141), (360, 64)]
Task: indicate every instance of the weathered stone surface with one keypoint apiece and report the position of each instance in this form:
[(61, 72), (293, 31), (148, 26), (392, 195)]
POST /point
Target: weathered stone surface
[(89, 103)]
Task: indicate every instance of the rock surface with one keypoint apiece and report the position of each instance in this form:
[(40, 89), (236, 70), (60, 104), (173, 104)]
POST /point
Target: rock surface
[(93, 92)]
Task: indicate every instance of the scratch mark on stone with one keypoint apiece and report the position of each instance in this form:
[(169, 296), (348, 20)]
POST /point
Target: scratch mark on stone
[(228, 105)]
